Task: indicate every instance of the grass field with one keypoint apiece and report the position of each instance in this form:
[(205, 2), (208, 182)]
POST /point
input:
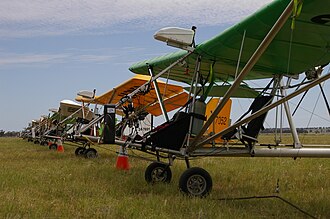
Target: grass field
[(38, 183)]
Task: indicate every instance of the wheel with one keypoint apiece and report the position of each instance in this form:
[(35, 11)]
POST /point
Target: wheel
[(90, 153), (80, 151), (53, 147), (195, 182), (158, 172), (36, 142), (43, 143)]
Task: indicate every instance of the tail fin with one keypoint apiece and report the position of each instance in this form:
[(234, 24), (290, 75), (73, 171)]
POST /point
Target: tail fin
[(222, 120)]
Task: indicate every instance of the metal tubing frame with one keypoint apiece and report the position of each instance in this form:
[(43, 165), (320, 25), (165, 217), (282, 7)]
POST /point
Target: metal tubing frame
[(294, 132), (265, 109), (239, 151), (194, 77), (192, 107), (136, 145), (325, 98), (292, 152), (153, 78), (225, 151), (142, 87), (158, 94), (197, 69), (247, 68), (91, 123), (82, 108), (64, 120), (262, 152)]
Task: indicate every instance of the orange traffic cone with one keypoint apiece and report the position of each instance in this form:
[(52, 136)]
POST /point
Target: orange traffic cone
[(122, 160), (60, 147)]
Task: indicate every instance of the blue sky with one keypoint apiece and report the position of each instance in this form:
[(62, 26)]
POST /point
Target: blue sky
[(49, 50)]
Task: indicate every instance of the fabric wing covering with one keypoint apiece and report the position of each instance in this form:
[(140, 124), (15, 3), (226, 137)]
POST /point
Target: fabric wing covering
[(309, 41), (173, 95), (71, 108)]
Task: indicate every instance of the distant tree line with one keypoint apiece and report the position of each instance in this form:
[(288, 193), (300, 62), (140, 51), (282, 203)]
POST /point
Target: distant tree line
[(9, 134), (299, 130)]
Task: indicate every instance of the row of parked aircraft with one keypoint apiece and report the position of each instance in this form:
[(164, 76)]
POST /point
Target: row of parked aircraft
[(280, 42)]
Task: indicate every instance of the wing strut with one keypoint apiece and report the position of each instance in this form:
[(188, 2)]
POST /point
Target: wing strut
[(325, 98), (297, 143), (159, 96), (142, 87), (247, 68)]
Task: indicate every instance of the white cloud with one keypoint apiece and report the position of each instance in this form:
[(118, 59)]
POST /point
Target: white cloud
[(28, 59), (57, 17), (18, 59), (96, 56)]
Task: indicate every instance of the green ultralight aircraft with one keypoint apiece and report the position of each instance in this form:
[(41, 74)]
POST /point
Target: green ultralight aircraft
[(283, 39)]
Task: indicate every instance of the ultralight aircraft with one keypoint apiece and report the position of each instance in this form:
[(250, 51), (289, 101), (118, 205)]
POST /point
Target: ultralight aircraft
[(283, 40)]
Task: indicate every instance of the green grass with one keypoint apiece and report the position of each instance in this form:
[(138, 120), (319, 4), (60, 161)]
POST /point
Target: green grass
[(38, 183)]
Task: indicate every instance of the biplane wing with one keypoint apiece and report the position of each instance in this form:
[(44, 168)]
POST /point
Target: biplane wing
[(70, 108), (174, 96), (302, 43)]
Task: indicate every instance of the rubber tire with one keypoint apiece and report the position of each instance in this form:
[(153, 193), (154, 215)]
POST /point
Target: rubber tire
[(80, 151), (202, 180), (91, 153), (153, 173), (53, 147)]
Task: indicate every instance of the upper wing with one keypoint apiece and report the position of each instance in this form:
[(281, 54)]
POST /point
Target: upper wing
[(290, 53), (170, 104), (173, 95), (71, 108)]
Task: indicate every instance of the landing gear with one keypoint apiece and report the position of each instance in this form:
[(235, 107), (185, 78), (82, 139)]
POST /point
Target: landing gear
[(158, 172), (195, 182), (86, 151), (80, 151), (91, 153), (43, 143)]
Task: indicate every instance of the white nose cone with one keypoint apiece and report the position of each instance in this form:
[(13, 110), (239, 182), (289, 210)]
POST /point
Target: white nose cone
[(175, 35), (86, 94)]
